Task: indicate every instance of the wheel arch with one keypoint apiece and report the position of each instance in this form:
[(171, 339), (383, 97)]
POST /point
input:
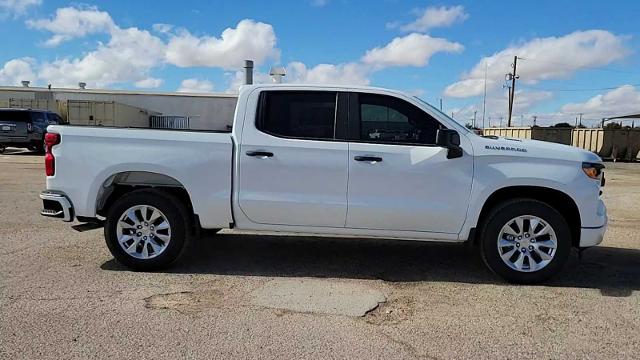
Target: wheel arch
[(557, 199), (121, 183)]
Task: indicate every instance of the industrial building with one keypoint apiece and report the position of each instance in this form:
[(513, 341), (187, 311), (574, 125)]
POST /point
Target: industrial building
[(126, 108)]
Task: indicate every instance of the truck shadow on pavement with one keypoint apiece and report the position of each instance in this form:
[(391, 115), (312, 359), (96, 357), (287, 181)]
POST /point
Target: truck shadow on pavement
[(614, 271)]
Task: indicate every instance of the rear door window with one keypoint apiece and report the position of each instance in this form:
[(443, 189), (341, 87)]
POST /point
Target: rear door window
[(298, 114)]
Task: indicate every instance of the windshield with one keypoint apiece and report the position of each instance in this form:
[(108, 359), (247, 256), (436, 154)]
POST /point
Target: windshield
[(443, 115)]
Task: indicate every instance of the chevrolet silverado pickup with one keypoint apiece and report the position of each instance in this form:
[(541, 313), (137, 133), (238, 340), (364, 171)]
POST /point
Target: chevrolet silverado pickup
[(334, 160)]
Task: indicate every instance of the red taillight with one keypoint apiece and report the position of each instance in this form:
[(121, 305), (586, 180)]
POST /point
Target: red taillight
[(50, 139)]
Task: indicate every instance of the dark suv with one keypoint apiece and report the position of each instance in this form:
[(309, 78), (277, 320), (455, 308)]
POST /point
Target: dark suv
[(25, 128)]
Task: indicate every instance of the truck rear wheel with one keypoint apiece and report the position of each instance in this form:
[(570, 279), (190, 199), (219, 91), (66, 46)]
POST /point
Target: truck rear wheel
[(525, 241), (146, 229)]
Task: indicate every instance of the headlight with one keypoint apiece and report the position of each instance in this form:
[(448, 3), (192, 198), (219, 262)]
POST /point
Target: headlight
[(592, 170)]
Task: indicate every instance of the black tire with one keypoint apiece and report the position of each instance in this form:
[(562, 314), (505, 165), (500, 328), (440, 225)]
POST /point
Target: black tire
[(39, 148), (176, 214), (499, 216)]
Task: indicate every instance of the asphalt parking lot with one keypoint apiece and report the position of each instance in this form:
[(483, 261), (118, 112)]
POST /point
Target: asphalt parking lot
[(260, 296)]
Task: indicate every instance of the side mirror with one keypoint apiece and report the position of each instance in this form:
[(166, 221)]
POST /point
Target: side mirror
[(449, 139)]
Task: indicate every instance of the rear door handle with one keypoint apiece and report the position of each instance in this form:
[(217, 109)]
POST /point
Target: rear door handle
[(260, 153), (368, 158)]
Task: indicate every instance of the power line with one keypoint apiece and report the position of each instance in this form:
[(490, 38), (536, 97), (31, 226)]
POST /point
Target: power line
[(582, 67), (582, 89)]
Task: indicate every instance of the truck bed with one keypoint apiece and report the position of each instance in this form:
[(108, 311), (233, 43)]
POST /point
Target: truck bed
[(201, 162)]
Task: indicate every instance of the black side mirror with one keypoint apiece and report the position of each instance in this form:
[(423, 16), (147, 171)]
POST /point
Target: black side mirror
[(449, 139)]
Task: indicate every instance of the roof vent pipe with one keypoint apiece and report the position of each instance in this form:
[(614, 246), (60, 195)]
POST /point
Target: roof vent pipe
[(82, 85), (277, 73), (248, 72), (26, 83)]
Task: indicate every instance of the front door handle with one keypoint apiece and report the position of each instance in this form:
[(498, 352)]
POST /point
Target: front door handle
[(260, 153), (368, 158)]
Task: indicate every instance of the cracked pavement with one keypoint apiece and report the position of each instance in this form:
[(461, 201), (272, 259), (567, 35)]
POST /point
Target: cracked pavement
[(244, 295)]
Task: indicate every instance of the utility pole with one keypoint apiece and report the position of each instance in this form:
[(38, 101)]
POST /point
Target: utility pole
[(484, 98), (440, 104), (535, 118), (580, 121), (501, 117), (474, 119), (512, 90)]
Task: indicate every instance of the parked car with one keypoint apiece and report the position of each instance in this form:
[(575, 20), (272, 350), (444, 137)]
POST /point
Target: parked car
[(299, 160), (25, 128)]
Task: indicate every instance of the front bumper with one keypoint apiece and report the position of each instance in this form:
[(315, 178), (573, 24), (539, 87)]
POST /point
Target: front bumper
[(56, 205), (593, 236)]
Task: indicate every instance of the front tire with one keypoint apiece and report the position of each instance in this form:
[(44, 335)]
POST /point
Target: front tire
[(525, 241), (146, 229)]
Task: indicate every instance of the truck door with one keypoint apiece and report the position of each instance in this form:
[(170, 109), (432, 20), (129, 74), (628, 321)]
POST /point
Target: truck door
[(292, 166), (398, 178)]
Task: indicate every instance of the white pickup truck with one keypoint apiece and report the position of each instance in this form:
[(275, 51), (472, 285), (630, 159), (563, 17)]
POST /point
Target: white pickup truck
[(332, 160)]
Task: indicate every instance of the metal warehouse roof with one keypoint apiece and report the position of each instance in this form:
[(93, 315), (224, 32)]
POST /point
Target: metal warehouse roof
[(113, 92)]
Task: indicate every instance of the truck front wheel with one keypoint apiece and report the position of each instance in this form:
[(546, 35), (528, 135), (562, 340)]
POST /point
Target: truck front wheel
[(525, 241), (146, 229)]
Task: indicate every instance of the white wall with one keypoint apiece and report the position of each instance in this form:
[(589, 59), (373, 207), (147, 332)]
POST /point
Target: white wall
[(207, 112)]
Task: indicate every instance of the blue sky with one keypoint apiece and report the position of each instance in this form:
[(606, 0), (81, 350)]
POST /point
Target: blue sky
[(426, 48)]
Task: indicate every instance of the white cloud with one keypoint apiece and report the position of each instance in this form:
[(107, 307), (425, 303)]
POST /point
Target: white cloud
[(162, 28), (624, 100), (543, 59), (131, 53), (16, 70), (16, 7), (248, 40), (71, 22), (348, 74), (319, 3), (434, 17), (149, 83), (410, 50), (299, 73), (128, 56), (195, 86)]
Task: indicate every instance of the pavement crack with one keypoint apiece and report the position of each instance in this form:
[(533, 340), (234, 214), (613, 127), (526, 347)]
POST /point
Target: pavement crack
[(408, 347)]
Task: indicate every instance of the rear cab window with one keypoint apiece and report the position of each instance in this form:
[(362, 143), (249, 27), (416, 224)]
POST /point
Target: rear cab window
[(14, 116), (298, 114)]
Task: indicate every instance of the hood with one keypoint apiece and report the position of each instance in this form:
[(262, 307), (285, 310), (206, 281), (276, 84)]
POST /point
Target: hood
[(531, 148)]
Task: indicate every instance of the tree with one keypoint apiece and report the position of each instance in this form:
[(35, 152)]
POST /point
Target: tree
[(563, 125), (612, 126)]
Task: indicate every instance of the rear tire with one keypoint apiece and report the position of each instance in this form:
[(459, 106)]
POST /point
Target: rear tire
[(147, 229), (525, 241)]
